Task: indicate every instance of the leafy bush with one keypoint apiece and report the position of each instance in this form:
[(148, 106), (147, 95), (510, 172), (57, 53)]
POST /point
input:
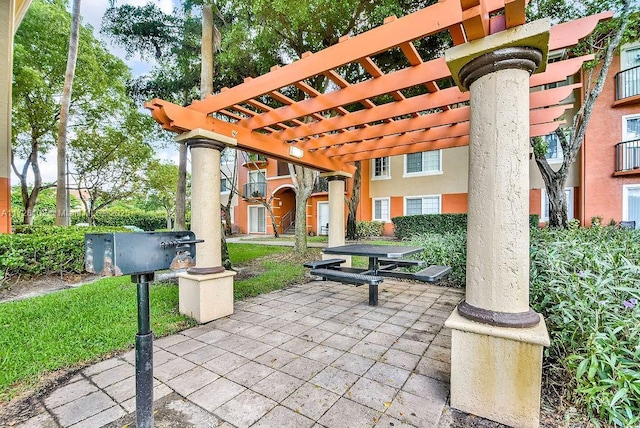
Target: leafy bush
[(367, 229), (44, 250), (586, 283), (449, 249), (409, 226), (116, 217)]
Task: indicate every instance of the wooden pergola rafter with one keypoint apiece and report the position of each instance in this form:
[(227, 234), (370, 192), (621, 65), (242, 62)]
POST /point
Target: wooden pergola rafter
[(387, 112)]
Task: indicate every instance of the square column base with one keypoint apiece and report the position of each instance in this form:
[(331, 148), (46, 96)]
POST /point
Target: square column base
[(496, 372), (206, 297), (347, 259)]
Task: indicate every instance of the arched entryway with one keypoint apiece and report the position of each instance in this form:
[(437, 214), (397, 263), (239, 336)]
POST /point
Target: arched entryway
[(284, 209)]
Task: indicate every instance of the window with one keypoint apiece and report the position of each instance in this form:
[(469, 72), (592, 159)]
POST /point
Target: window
[(257, 219), (628, 80), (545, 204), (381, 209), (381, 168), (422, 205), (631, 203), (423, 163), (283, 169), (631, 134), (225, 185), (554, 148)]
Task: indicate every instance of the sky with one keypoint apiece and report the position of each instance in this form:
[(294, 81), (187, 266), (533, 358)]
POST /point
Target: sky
[(92, 12)]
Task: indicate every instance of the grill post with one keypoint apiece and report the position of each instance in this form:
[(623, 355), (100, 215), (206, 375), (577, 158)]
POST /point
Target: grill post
[(144, 354)]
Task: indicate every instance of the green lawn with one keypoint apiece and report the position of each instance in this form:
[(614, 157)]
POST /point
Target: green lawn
[(80, 325), (75, 326)]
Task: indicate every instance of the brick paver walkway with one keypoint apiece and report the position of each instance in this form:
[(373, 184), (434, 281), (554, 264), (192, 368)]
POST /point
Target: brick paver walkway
[(311, 355)]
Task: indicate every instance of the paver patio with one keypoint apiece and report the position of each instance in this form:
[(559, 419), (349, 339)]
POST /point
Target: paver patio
[(311, 355)]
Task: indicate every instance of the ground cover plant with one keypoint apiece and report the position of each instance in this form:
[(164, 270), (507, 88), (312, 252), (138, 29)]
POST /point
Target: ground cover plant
[(586, 282)]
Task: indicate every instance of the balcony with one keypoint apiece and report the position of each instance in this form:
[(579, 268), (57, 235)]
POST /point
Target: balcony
[(255, 160), (254, 190), (628, 86), (628, 158)]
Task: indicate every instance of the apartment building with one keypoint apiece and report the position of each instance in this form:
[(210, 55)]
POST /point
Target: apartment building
[(603, 182)]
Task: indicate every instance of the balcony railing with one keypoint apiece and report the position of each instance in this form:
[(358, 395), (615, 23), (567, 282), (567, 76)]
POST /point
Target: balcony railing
[(628, 83), (254, 190), (628, 156)]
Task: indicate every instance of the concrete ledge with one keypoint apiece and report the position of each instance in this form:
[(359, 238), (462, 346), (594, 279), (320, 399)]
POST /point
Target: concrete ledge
[(532, 34), (206, 297), (537, 335)]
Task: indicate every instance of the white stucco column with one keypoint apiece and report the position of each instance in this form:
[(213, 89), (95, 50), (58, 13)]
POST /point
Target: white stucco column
[(6, 66), (337, 210), (206, 290), (497, 339)]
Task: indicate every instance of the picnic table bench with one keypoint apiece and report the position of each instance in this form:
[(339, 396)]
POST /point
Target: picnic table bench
[(383, 260)]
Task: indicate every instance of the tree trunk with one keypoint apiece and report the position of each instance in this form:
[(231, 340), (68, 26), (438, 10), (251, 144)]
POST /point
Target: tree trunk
[(352, 232), (181, 191), (303, 185), (571, 145), (272, 216), (62, 194), (209, 33)]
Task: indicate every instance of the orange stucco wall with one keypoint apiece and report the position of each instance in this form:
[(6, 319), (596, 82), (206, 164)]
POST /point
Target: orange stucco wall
[(602, 191), (454, 203)]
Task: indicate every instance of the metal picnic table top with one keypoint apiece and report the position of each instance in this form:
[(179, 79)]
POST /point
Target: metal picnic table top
[(372, 250)]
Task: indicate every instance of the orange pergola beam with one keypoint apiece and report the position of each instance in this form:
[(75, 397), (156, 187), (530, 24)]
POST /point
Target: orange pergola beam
[(447, 143), (536, 117), (180, 119)]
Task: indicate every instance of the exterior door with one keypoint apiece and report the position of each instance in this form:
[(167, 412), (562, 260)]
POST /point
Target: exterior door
[(323, 218), (631, 204), (257, 219)]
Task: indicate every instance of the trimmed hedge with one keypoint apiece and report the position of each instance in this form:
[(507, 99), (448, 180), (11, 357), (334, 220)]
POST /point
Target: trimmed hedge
[(406, 227), (145, 220), (367, 229), (44, 250)]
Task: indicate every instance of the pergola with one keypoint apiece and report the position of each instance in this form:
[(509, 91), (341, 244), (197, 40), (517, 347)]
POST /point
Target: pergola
[(504, 94), (325, 126)]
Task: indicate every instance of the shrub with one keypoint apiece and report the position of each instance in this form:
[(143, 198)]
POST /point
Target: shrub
[(449, 249), (412, 225), (409, 226), (585, 282), (367, 229), (44, 250), (145, 220)]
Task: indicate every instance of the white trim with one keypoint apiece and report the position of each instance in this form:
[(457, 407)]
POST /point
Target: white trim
[(406, 174), (278, 177), (625, 199), (283, 186), (570, 203), (249, 207), (404, 202), (318, 224), (373, 209), (373, 169), (625, 119)]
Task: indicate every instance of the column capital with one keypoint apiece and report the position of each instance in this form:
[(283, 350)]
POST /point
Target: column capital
[(336, 175), (522, 47), (207, 139), (512, 58), (205, 143)]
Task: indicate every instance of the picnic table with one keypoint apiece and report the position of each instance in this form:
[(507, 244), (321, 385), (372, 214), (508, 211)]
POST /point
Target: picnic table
[(383, 262)]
